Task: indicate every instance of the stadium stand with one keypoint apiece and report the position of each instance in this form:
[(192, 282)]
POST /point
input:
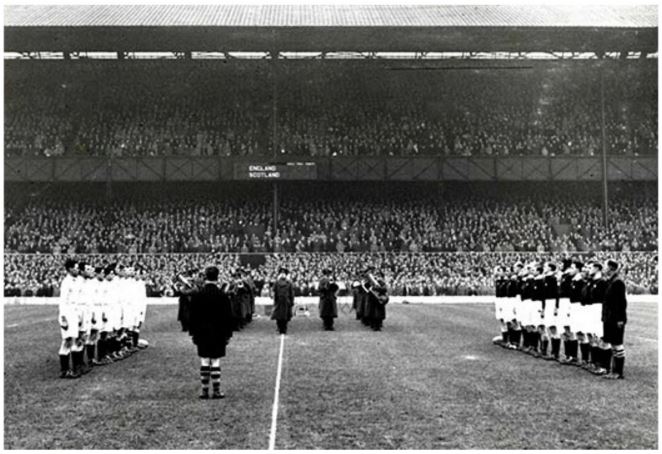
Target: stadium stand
[(422, 274), (218, 109), (445, 240), (153, 218)]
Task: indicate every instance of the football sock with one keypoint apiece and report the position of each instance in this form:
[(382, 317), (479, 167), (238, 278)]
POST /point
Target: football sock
[(101, 351), (77, 357), (543, 346), (572, 349), (556, 347), (584, 347), (204, 378), (64, 363), (606, 358), (504, 336), (90, 352), (517, 334), (136, 337), (216, 379), (595, 355), (619, 361)]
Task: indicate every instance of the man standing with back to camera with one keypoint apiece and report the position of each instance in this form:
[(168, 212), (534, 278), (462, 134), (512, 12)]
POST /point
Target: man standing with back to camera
[(210, 325)]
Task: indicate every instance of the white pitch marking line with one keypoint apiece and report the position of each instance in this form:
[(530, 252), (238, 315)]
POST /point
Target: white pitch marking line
[(34, 322), (645, 339), (274, 411)]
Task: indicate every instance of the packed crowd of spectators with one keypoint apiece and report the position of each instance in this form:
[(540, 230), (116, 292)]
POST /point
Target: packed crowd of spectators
[(331, 218), (407, 274), (145, 109)]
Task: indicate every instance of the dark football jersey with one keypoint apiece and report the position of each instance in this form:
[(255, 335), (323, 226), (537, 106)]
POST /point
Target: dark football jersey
[(512, 287), (598, 290), (565, 289), (527, 289), (586, 294), (538, 291), (577, 290), (501, 287), (551, 288)]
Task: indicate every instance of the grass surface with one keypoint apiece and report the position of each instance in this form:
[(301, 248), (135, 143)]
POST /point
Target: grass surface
[(432, 379)]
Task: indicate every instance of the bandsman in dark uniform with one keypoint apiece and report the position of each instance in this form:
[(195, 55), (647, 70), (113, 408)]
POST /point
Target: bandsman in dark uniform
[(211, 329), (362, 302), (376, 300), (240, 298), (253, 293), (328, 306), (184, 287), (283, 301), (614, 318), (357, 297)]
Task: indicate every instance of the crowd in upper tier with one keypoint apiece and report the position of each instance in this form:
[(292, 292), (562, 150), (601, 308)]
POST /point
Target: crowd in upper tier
[(198, 108), (405, 273), (146, 218)]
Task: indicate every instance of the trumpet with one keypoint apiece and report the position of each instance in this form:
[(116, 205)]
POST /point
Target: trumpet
[(183, 284)]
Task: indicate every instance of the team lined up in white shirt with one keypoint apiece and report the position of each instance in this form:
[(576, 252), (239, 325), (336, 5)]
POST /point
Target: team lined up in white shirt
[(101, 312)]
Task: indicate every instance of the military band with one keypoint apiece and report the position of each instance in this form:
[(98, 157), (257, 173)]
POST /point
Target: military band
[(579, 308)]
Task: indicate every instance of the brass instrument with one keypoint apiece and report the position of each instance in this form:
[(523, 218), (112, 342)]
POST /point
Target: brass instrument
[(371, 289)]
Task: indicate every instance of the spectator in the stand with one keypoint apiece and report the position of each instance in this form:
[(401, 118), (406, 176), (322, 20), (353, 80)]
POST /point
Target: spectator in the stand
[(406, 274), (221, 110)]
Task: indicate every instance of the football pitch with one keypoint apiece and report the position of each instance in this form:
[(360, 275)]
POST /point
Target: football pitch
[(430, 380)]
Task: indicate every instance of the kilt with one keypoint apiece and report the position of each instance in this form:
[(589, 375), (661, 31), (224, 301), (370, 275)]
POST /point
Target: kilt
[(612, 333)]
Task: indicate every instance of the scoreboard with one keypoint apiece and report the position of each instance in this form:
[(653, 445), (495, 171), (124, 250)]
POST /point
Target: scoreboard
[(275, 171)]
